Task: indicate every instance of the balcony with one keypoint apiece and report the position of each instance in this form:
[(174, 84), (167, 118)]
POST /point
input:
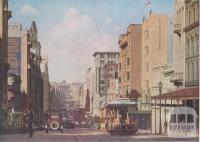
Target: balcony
[(177, 29), (177, 79)]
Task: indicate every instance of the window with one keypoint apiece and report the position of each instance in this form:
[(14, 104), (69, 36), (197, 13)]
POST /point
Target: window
[(101, 62), (128, 61), (101, 56), (193, 14), (146, 34), (181, 118), (173, 118), (147, 67), (190, 118), (193, 71), (147, 50), (188, 48), (128, 75), (189, 17), (192, 43), (119, 66), (147, 84)]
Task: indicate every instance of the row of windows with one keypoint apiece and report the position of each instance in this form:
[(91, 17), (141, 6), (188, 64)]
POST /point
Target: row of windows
[(193, 14), (192, 71), (109, 55), (192, 46)]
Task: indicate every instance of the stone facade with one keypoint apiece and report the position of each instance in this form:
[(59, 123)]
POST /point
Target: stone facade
[(130, 61), (154, 53), (191, 43), (46, 84), (102, 58), (5, 14)]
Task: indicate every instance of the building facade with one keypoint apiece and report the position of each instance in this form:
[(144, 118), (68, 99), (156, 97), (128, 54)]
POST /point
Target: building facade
[(36, 82), (46, 84), (130, 62), (5, 14), (111, 81), (102, 58), (192, 43), (154, 46), (178, 76)]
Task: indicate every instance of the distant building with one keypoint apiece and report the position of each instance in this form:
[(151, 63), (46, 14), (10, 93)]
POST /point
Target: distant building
[(130, 62), (102, 58), (15, 43), (90, 86), (46, 84), (111, 81)]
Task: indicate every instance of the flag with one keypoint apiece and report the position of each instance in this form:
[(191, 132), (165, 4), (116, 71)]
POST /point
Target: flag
[(148, 3)]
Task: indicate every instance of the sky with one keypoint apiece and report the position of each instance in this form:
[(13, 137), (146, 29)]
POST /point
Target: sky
[(70, 31)]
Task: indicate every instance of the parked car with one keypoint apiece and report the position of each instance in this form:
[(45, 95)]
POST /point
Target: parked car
[(54, 122)]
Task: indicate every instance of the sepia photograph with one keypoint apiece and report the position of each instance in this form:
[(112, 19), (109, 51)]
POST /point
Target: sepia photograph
[(99, 70)]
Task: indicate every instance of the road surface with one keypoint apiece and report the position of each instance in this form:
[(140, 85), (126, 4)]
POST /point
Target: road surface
[(85, 135)]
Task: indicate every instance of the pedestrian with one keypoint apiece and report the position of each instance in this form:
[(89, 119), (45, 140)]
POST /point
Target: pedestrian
[(30, 121)]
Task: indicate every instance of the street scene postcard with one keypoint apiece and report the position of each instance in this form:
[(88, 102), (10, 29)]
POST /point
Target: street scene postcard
[(99, 70)]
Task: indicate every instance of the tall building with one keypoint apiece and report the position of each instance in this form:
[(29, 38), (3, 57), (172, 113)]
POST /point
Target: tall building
[(111, 81), (130, 62), (102, 58), (15, 40), (25, 70), (46, 84), (90, 86), (178, 77), (36, 82), (192, 43), (5, 14), (154, 46)]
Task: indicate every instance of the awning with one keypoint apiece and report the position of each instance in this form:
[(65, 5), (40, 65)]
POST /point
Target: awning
[(182, 94)]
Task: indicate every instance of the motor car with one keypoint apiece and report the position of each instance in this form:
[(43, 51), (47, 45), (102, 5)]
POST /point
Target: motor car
[(54, 122)]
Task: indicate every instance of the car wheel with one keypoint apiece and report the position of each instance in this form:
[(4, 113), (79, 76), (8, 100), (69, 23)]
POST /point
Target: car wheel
[(54, 125)]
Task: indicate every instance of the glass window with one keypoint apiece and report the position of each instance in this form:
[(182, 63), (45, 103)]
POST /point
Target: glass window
[(190, 118), (181, 118), (173, 118)]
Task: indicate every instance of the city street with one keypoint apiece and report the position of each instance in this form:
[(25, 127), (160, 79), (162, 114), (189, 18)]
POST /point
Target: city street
[(85, 135)]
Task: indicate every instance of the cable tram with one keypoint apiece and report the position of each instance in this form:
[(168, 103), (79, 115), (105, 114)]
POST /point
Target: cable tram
[(182, 122)]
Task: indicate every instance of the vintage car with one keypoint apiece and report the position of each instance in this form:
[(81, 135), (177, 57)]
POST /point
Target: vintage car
[(54, 122)]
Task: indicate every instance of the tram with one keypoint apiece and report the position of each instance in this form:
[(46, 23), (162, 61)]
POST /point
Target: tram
[(182, 122)]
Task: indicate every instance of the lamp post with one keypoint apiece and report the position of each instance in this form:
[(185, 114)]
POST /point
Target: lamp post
[(160, 91)]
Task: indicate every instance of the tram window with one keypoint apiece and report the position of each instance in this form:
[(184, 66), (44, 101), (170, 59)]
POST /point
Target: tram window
[(190, 118), (181, 118), (173, 118)]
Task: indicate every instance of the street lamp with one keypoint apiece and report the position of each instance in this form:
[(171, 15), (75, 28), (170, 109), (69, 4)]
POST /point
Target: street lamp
[(160, 91)]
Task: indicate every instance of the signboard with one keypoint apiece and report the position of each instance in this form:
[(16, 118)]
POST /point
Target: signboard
[(14, 55)]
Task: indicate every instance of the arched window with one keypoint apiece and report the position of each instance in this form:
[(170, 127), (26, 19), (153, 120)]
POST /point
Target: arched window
[(192, 71), (188, 48), (192, 47)]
